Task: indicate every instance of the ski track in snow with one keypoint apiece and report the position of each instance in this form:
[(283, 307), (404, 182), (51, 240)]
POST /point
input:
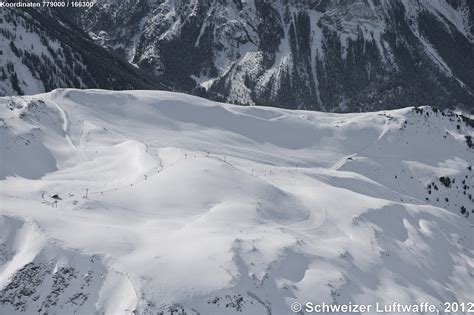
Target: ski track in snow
[(171, 203)]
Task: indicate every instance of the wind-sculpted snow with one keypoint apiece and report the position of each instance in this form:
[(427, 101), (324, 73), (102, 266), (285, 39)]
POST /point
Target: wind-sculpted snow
[(38, 276), (155, 202)]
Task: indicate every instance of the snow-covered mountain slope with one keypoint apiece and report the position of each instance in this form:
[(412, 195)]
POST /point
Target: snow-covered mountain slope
[(171, 203), (40, 52), (331, 55)]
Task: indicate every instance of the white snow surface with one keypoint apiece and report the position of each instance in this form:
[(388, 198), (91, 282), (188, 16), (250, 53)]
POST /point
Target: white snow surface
[(218, 209)]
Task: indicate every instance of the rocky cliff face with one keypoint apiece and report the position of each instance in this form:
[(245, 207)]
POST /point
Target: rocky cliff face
[(331, 55), (39, 52)]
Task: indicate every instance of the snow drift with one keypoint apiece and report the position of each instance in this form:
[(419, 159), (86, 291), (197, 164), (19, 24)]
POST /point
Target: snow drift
[(174, 204)]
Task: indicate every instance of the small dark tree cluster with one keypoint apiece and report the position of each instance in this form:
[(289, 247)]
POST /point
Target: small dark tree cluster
[(13, 78), (469, 142), (418, 110), (3, 75), (16, 84), (468, 121), (445, 180), (15, 50)]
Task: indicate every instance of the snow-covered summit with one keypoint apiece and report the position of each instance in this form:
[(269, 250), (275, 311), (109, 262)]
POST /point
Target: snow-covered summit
[(171, 203)]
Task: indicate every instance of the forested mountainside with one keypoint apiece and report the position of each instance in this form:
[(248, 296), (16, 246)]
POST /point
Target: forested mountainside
[(354, 55), (40, 52)]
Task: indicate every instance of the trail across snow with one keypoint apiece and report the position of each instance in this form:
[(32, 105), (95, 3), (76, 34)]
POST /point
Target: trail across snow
[(171, 203)]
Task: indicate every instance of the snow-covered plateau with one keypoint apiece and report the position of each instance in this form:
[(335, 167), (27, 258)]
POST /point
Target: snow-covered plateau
[(140, 202)]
